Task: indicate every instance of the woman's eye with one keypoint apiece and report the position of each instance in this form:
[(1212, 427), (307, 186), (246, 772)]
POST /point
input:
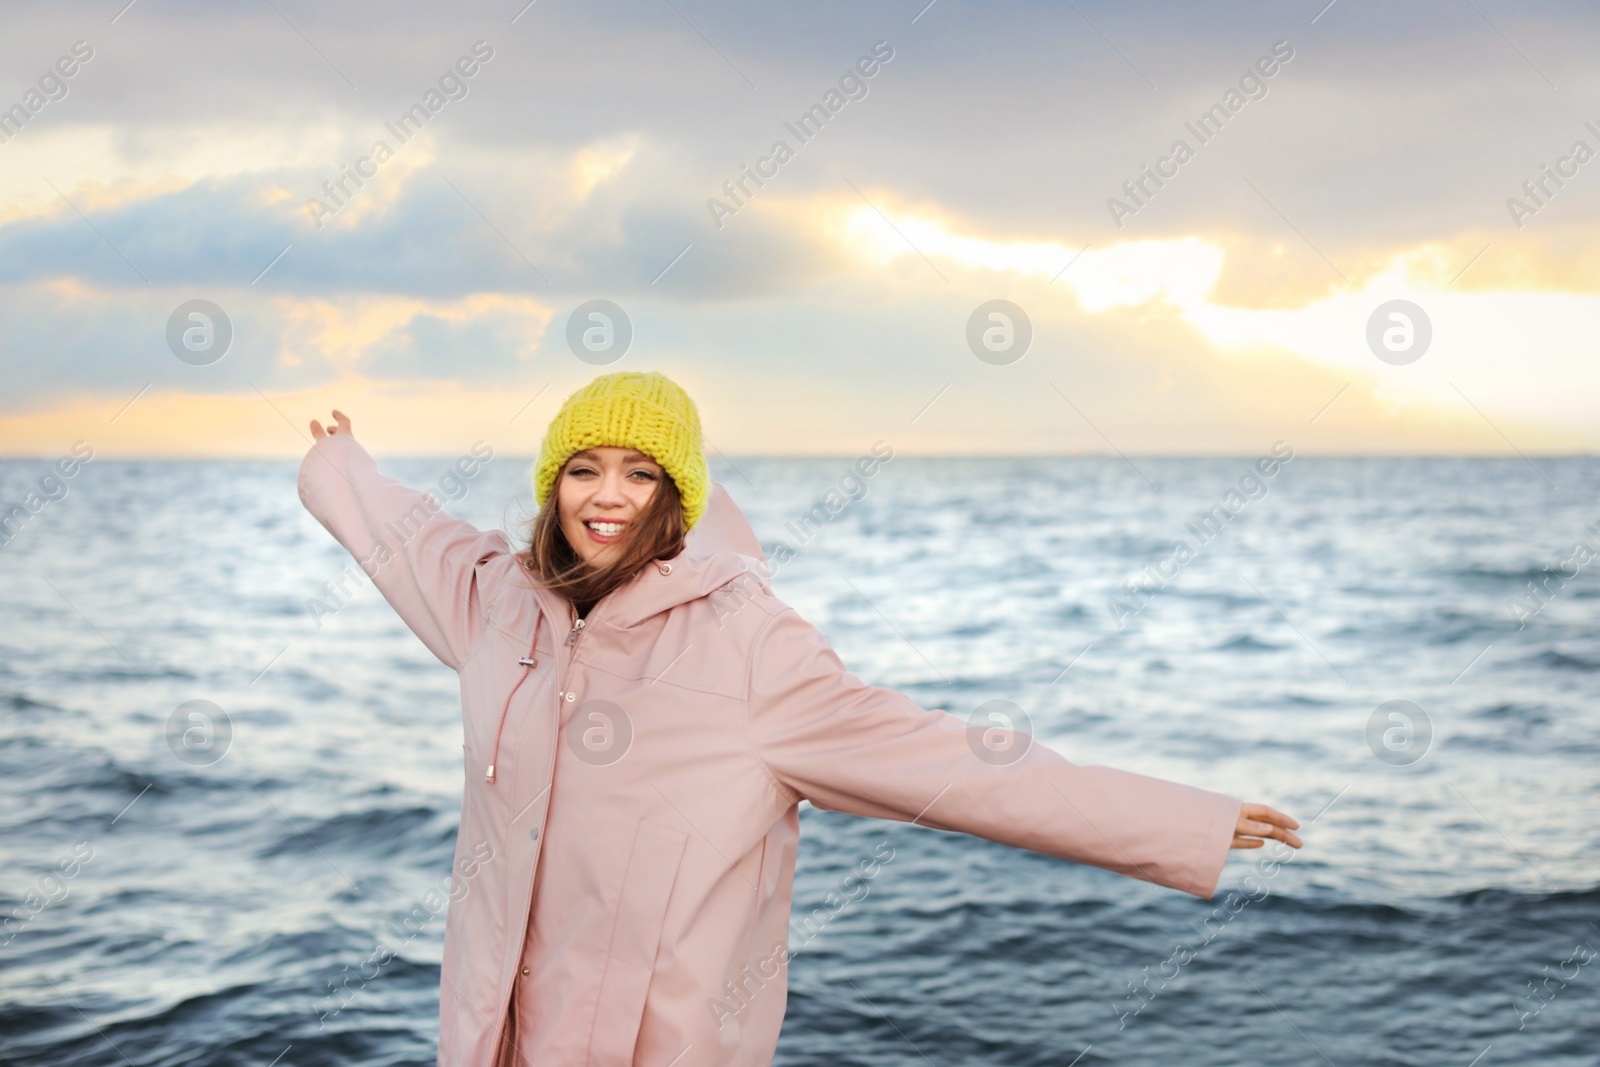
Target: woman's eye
[(648, 476)]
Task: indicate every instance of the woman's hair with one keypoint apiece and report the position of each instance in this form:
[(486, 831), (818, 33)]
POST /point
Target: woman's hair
[(658, 533)]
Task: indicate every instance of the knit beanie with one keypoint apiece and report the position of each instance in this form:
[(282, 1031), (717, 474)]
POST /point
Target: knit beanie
[(649, 412)]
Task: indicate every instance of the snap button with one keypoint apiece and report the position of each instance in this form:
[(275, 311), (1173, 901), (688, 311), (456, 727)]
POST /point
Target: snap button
[(526, 972), (534, 833), (572, 696)]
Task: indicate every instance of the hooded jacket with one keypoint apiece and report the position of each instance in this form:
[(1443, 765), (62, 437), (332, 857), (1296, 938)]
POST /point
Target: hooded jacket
[(622, 884)]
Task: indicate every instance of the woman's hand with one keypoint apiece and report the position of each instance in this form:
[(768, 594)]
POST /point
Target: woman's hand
[(343, 426), (1257, 822)]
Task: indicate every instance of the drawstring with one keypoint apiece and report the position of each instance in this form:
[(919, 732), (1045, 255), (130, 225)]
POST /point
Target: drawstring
[(528, 662)]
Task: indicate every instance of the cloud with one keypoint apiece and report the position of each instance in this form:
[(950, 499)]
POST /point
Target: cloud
[(579, 164), (69, 339)]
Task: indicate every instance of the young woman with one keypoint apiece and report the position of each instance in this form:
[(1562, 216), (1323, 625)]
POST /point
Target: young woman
[(642, 718)]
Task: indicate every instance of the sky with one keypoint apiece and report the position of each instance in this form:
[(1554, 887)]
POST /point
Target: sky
[(1356, 228)]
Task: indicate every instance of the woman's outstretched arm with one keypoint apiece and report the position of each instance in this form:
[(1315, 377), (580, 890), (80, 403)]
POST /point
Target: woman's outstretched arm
[(422, 560), (867, 750)]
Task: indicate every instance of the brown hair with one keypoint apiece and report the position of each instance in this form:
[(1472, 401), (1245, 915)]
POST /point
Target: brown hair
[(658, 533)]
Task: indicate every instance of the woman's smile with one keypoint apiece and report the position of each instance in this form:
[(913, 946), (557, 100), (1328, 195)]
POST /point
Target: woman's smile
[(604, 531)]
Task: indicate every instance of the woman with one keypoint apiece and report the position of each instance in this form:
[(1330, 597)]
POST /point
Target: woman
[(642, 718)]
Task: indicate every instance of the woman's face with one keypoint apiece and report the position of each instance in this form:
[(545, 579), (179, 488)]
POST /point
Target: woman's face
[(601, 493)]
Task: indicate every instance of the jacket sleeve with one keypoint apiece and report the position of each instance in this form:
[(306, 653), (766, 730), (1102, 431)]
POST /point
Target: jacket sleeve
[(866, 750), (422, 560)]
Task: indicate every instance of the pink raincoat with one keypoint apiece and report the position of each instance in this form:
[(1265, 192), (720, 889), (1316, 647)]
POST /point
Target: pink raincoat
[(622, 884)]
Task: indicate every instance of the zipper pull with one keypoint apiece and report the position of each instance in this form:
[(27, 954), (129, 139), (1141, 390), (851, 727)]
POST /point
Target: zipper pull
[(577, 629)]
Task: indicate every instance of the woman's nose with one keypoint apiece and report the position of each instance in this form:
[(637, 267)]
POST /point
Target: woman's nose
[(610, 489)]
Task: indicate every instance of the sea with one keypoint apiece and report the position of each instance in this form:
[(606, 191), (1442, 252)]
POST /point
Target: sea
[(218, 797)]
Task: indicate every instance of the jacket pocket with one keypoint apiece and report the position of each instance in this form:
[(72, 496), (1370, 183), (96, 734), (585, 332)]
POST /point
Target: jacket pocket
[(635, 937)]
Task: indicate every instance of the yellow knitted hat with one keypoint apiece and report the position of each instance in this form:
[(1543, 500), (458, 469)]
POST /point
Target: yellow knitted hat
[(649, 412)]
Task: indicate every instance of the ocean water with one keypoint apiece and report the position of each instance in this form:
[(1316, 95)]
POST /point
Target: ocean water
[(1445, 909)]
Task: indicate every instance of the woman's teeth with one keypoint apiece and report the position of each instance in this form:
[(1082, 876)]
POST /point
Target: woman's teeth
[(606, 529)]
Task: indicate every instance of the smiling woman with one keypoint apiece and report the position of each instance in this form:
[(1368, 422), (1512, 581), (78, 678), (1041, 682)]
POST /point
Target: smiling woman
[(645, 750)]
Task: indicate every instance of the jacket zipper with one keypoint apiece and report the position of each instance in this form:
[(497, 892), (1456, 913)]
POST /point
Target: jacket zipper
[(572, 643)]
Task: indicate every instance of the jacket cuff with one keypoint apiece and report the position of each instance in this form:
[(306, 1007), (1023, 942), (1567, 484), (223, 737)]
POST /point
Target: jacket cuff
[(1213, 846)]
